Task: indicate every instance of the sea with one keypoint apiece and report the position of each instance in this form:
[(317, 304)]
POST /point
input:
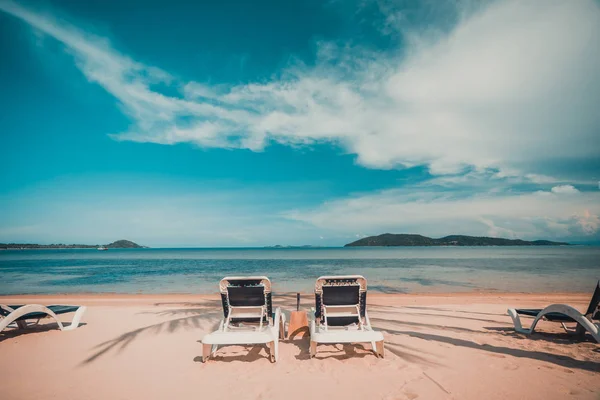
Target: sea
[(387, 269)]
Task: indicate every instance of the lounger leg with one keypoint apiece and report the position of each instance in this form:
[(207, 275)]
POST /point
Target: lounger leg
[(272, 351), (517, 321), (282, 327), (313, 349), (380, 348), (76, 319), (206, 351)]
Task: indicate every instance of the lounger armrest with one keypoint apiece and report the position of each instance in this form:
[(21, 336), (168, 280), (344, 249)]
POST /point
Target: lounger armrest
[(311, 320), (277, 320), (367, 320)]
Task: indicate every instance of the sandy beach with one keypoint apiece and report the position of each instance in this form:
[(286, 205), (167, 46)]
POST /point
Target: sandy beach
[(454, 346)]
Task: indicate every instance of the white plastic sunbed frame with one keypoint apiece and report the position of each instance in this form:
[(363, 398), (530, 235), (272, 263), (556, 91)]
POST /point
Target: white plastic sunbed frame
[(582, 320), (269, 333), (363, 333), (15, 314)]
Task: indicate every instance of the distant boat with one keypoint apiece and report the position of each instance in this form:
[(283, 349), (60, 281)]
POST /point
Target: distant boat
[(102, 248)]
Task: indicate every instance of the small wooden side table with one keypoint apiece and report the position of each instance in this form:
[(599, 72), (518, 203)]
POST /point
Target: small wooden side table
[(298, 327)]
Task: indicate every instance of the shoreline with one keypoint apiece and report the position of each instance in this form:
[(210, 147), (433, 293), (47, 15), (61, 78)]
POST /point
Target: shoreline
[(306, 298), (306, 247), (372, 293)]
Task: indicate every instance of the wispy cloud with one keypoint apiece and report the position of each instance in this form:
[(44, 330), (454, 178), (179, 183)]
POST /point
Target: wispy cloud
[(506, 86), (483, 103), (557, 213), (564, 189)]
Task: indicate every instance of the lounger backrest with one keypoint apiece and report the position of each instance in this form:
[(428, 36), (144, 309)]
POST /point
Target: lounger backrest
[(246, 291), (240, 296), (340, 290), (594, 302), (341, 295)]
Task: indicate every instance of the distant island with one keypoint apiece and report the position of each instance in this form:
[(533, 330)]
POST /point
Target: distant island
[(305, 246), (119, 244), (391, 239)]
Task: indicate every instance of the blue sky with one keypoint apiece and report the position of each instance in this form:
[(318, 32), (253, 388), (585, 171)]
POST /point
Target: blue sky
[(300, 122)]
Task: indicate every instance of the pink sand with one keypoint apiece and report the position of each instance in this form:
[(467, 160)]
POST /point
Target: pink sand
[(458, 346)]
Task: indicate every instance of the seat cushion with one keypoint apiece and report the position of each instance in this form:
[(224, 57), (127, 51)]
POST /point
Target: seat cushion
[(556, 317), (341, 321), (267, 335), (257, 320), (320, 335), (56, 309)]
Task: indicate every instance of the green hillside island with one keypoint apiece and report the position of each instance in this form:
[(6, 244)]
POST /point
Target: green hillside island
[(119, 244), (391, 239)]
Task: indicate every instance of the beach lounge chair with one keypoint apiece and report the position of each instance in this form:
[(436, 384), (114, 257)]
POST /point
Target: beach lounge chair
[(590, 321), (18, 315), (248, 316), (340, 314)]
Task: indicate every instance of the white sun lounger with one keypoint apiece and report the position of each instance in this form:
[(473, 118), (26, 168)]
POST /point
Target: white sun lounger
[(248, 316), (341, 314), (563, 313), (18, 315)]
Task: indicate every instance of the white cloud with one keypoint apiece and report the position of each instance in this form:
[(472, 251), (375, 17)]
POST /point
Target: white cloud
[(588, 222), (511, 85), (415, 209), (564, 189)]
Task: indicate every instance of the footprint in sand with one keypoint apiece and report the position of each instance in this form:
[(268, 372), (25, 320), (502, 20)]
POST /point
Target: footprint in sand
[(411, 395), (511, 367)]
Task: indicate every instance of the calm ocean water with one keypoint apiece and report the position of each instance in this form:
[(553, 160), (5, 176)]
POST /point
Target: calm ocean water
[(389, 270)]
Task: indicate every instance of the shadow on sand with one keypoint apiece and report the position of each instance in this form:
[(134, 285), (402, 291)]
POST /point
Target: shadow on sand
[(561, 360), (251, 353), (190, 317), (51, 326)]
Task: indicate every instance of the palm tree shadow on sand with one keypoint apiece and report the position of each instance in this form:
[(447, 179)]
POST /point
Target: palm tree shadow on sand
[(190, 316)]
